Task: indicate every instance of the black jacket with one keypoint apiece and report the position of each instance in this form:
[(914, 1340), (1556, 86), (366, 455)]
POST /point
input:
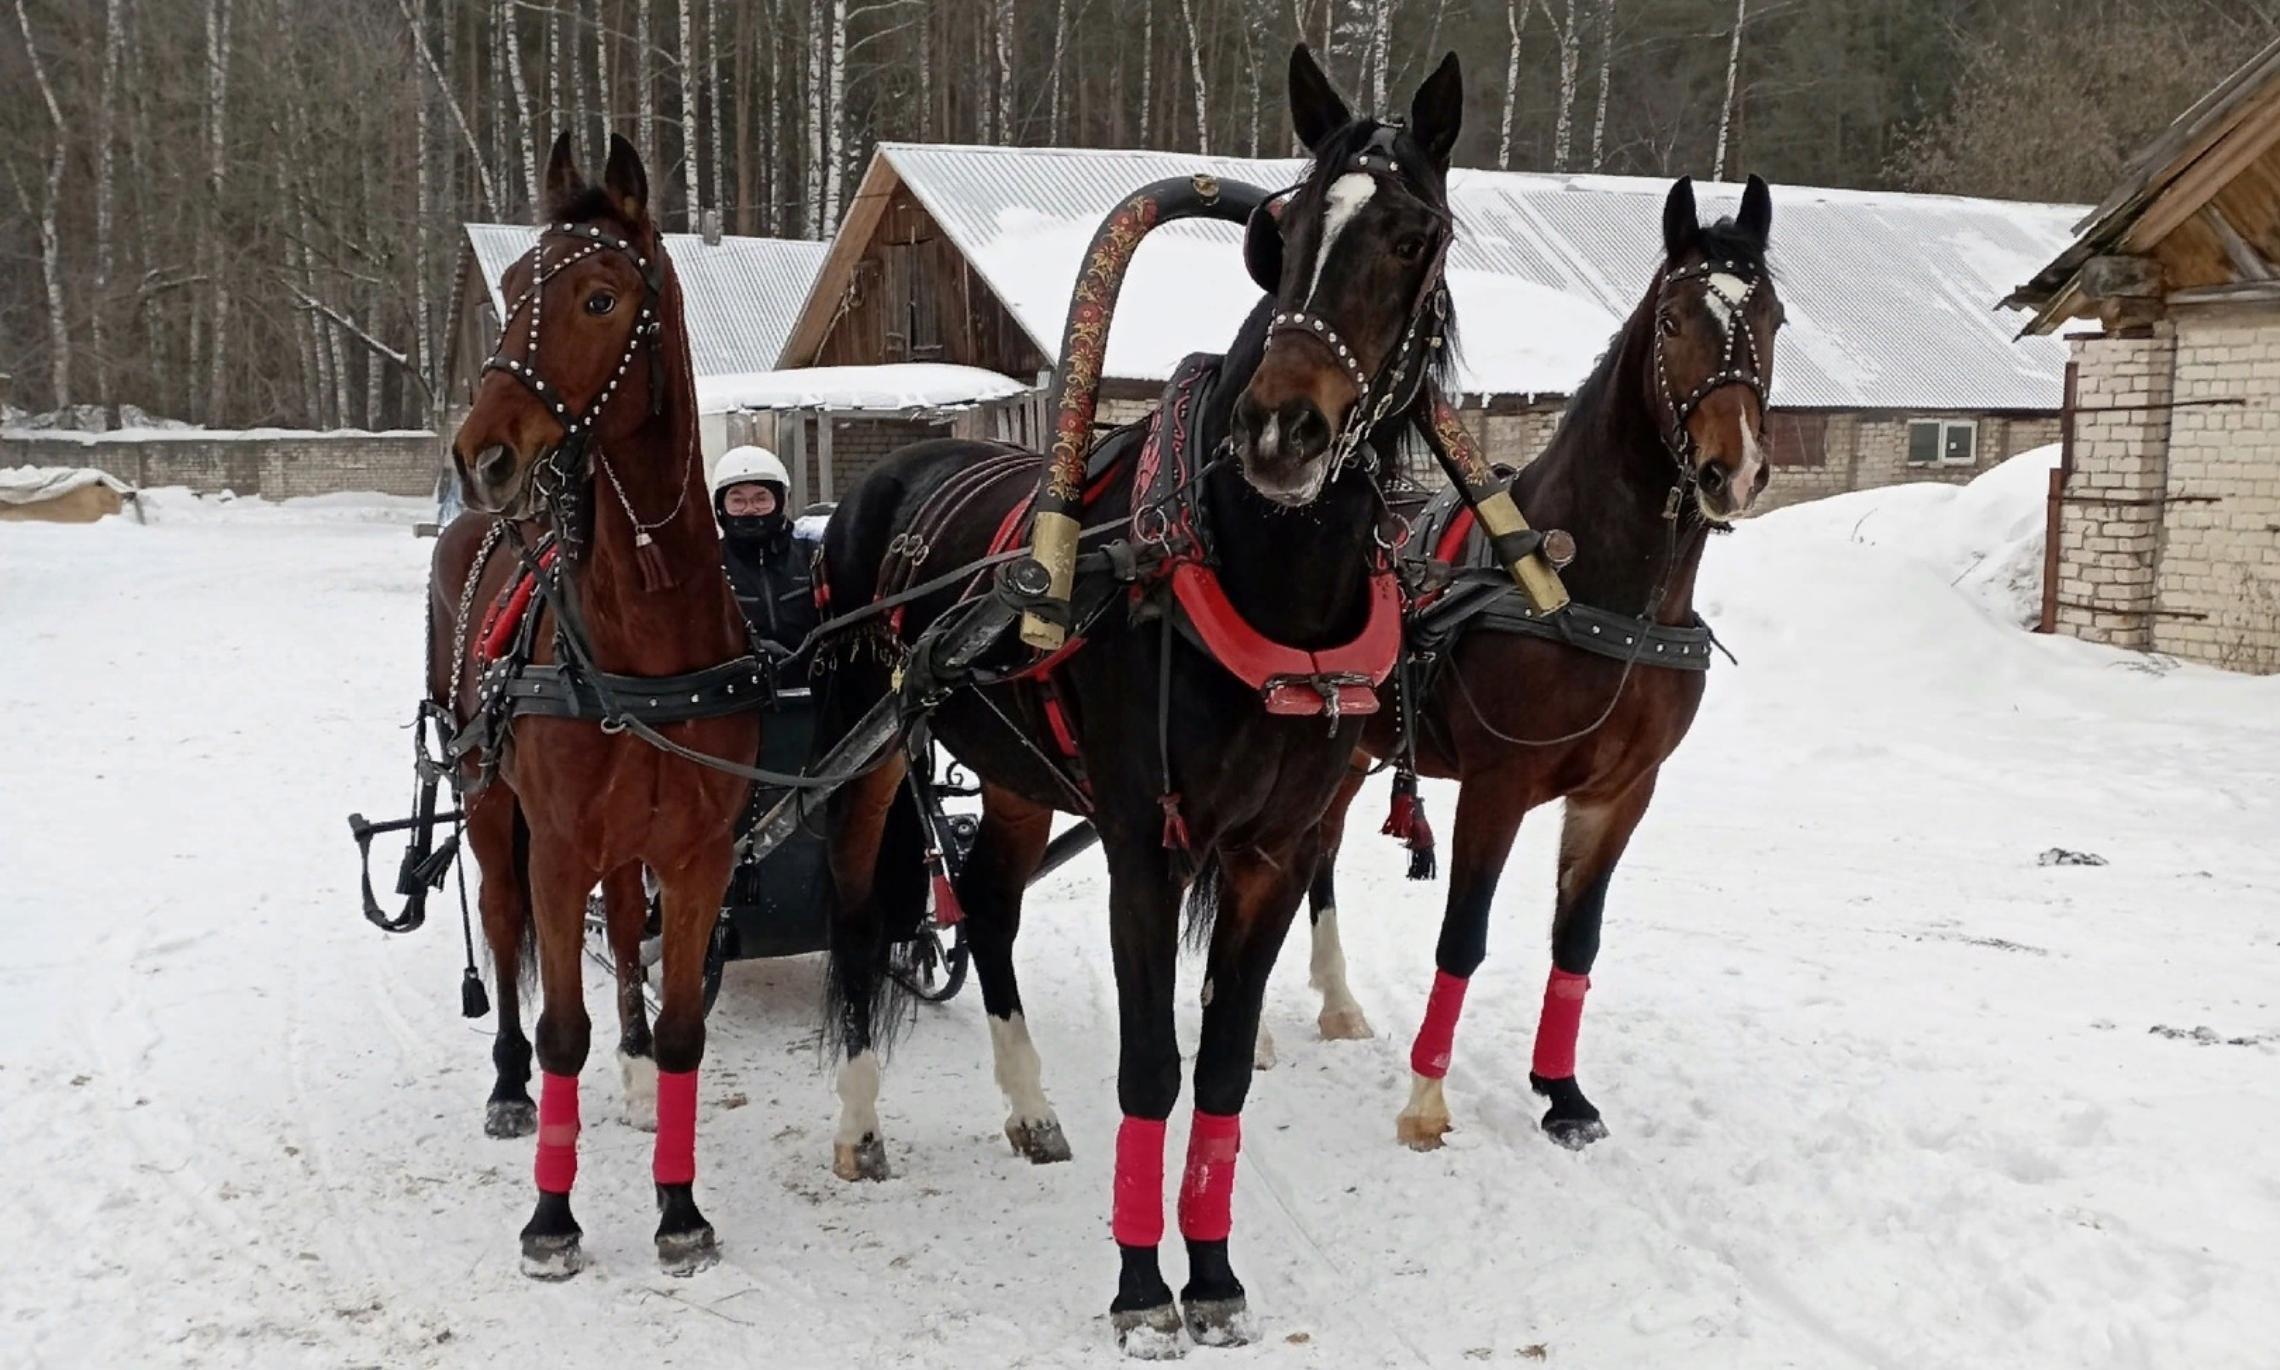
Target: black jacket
[(774, 580)]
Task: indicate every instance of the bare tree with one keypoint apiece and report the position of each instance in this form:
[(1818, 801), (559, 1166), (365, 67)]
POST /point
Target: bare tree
[(526, 145), (1001, 33), (1605, 10), (1733, 76), (217, 170), (1147, 66), (685, 80), (1515, 19), (1563, 131), (451, 103), (1053, 82), (1380, 52), (645, 85), (1195, 72), (51, 264), (835, 145), (713, 121), (106, 135)]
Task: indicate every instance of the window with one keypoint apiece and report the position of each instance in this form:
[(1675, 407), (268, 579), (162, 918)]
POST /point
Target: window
[(1794, 439), (913, 320), (1943, 442)]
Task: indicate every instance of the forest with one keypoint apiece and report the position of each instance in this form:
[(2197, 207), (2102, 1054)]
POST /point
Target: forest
[(246, 212)]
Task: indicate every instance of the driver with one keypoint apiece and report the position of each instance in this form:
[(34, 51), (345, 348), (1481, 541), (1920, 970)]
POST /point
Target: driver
[(768, 567)]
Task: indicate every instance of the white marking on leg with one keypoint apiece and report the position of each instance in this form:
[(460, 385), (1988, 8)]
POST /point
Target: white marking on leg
[(1424, 1119), (1020, 1073), (1263, 1050), (1341, 1018), (1340, 203), (858, 1099), (638, 1075)]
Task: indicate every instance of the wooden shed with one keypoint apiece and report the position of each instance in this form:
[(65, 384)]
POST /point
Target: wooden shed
[(2165, 512)]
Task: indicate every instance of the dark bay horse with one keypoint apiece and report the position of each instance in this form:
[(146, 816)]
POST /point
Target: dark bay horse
[(586, 422), (1660, 446), (1192, 776)]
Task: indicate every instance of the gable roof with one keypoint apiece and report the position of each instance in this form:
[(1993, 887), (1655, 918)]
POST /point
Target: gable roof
[(2170, 179), (1890, 296), (743, 293)]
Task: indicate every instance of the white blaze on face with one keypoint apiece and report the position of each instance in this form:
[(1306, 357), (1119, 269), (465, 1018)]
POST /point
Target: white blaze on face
[(1723, 288), (1746, 473), (1340, 204)]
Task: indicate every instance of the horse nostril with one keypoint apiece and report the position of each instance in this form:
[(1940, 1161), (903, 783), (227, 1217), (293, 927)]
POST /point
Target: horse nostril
[(1712, 479), (494, 466), (1304, 428)]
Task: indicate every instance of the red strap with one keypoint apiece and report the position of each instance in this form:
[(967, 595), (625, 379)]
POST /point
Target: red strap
[(1207, 1189), (1138, 1216), (1452, 543), (557, 1166), (1556, 1029), (500, 624), (674, 1161), (1436, 1036), (1254, 659)]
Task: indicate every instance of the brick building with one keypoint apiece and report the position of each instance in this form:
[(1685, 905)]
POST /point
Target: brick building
[(273, 463), (2165, 511)]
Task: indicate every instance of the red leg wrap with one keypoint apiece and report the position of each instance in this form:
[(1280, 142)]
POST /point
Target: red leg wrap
[(1207, 1190), (1430, 1056), (675, 1159), (557, 1132), (1138, 1218), (1555, 1030)]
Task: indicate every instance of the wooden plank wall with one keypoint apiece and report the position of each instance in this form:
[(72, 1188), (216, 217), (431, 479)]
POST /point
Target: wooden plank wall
[(911, 282)]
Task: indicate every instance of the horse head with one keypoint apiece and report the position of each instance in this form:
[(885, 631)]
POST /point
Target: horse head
[(583, 305), (1353, 258), (1715, 316)]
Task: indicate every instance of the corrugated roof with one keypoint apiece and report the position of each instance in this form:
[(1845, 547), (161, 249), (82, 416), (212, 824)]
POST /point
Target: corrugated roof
[(1891, 297), (743, 293)]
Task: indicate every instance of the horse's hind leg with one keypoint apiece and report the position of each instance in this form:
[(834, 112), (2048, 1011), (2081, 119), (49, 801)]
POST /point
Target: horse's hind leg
[(558, 889), (625, 906), (691, 894), (1006, 851), (495, 839), (1592, 838), (1488, 818), (1341, 1018), (858, 991)]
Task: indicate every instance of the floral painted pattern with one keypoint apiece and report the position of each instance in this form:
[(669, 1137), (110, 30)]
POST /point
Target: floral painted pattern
[(1084, 346)]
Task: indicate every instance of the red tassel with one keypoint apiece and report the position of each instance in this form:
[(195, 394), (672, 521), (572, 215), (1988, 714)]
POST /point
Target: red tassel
[(1400, 816), (1175, 826), (1422, 866), (947, 910)]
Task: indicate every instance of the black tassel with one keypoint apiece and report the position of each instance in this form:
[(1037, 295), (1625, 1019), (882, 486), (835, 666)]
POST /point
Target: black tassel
[(474, 1001)]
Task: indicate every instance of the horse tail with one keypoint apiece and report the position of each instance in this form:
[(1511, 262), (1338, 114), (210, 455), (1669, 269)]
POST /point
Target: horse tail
[(525, 969), (1203, 898)]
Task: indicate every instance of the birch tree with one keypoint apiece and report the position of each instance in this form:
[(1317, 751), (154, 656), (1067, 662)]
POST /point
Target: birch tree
[(526, 145), (713, 122), (1147, 65), (1606, 26), (1195, 73), (1001, 32), (1733, 74), (644, 86), (106, 137), (1515, 19), (1563, 131), (1053, 81), (217, 169), (51, 264), (602, 93), (692, 188), (835, 144), (815, 116), (451, 102)]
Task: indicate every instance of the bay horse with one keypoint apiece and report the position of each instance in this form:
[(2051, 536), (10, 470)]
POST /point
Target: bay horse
[(1193, 777), (1661, 445), (585, 422)]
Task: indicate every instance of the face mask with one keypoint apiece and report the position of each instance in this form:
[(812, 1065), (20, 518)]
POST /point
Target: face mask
[(748, 527)]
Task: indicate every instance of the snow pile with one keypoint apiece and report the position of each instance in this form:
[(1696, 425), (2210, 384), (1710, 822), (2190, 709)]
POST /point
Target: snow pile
[(178, 504), (1986, 537), (913, 387), (34, 484)]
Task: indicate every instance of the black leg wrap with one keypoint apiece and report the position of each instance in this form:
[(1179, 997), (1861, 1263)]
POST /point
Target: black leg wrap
[(1212, 1303), (550, 1240), (1571, 1120), (685, 1243), (1146, 1320)]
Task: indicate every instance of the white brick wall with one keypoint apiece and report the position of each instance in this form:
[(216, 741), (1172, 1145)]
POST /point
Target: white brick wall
[(2221, 559)]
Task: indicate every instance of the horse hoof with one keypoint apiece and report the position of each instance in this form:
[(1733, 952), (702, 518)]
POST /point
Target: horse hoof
[(1149, 1333), (1420, 1133), (1263, 1050), (682, 1254), (552, 1256), (1344, 1025), (1042, 1141), (1574, 1133), (1571, 1121), (510, 1118), (1220, 1322), (863, 1160)]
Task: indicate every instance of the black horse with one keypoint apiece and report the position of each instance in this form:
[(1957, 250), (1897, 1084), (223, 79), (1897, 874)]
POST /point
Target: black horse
[(1660, 446), (1257, 533)]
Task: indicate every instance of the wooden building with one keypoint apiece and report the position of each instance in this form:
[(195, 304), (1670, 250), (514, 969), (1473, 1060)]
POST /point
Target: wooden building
[(2165, 512)]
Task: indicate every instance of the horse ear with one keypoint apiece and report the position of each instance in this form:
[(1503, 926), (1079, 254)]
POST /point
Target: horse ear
[(627, 181), (1680, 227), (1438, 111), (1263, 245), (1316, 111), (1757, 210), (563, 183)]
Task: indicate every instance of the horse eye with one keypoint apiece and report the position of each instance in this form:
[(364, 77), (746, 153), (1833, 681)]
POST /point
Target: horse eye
[(1670, 325), (1410, 248), (600, 302)]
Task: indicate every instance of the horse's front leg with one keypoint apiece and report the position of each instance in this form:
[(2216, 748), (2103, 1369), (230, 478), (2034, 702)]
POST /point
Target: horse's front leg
[(559, 883), (1592, 838), (1259, 894), (492, 823), (1488, 818), (625, 907), (1144, 938), (1341, 1019), (691, 895)]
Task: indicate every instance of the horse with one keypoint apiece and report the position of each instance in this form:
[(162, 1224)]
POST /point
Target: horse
[(585, 423), (1200, 783), (1661, 446)]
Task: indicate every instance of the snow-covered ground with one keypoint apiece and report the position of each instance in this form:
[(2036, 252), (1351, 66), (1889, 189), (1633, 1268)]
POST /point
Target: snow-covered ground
[(1884, 1091)]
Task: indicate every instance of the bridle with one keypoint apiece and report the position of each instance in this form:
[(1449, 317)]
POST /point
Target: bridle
[(1377, 395), (1739, 364), (562, 471)]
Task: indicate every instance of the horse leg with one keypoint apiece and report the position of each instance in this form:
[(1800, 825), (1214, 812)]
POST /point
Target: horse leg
[(1341, 1018), (495, 836), (1488, 818), (1592, 838), (858, 964), (558, 888), (626, 907), (1006, 851), (1259, 894), (691, 895), (1144, 940)]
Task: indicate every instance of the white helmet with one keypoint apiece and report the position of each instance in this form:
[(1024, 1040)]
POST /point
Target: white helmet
[(746, 465)]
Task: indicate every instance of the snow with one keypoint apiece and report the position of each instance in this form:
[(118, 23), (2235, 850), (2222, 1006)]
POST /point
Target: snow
[(1883, 1091), (32, 484), (897, 387)]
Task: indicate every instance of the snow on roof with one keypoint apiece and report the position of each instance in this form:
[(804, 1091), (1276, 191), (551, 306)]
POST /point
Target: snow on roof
[(901, 388), (1890, 296), (743, 293)]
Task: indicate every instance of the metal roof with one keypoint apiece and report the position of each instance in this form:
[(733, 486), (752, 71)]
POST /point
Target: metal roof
[(743, 293), (1891, 297)]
